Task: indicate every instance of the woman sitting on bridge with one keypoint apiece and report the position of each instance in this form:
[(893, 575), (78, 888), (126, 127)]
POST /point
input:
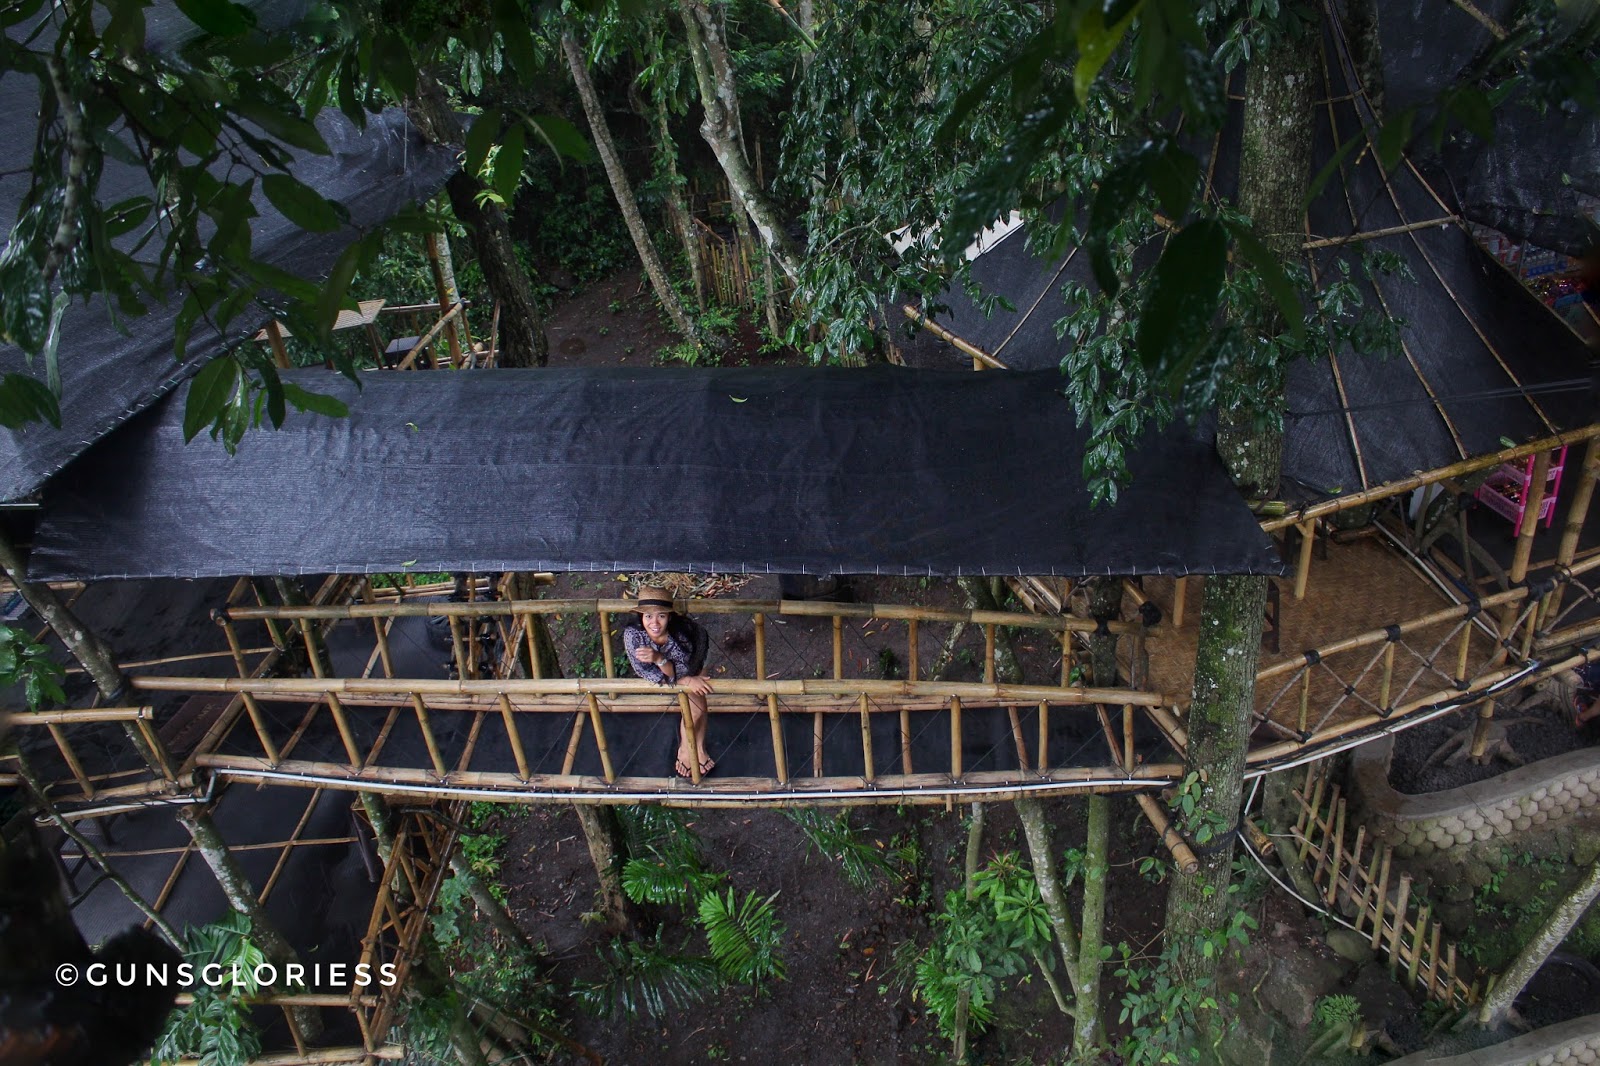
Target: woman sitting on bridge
[(670, 649)]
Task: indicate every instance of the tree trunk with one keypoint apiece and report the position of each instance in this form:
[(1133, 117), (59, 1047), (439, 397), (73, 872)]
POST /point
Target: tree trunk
[(1274, 172), (682, 321), (713, 70), (1051, 891), (678, 209), (81, 642), (1007, 668), (1496, 1006), (1090, 1032), (521, 341), (970, 881), (489, 908), (608, 849)]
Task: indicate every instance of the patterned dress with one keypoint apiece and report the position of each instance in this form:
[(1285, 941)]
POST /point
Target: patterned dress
[(678, 651)]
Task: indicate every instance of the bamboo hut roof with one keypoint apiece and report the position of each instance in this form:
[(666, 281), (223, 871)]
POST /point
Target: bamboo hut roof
[(882, 470), (1481, 358), (111, 368)]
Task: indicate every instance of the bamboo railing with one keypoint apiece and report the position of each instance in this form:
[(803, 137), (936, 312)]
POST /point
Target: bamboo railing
[(1363, 885)]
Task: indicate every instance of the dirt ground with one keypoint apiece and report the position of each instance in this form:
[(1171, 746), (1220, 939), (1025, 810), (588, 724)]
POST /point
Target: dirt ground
[(1429, 758), (844, 1000)]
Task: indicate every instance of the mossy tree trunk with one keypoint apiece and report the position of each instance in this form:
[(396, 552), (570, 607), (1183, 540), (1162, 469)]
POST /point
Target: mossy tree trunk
[(1275, 167), (1496, 1006), (608, 849)]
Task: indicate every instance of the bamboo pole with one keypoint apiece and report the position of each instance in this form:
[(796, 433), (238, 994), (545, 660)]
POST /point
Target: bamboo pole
[(280, 352), (514, 737), (1308, 536), (427, 734), (605, 749), (605, 642), (1066, 657), (380, 632), (427, 338), (1044, 735), (1400, 902), (1381, 898), (257, 719), (1431, 981), (780, 756), (1183, 856), (1305, 701), (333, 699), (1016, 737), (1311, 809), (572, 744), (988, 654), (1572, 530), (911, 649), (955, 738), (80, 716), (1465, 466), (760, 622), (1127, 737), (457, 650), (1333, 864), (71, 758), (980, 358), (866, 741), (1418, 938), (1180, 599)]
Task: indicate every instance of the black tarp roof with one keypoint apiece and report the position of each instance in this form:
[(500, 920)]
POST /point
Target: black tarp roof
[(107, 375), (882, 470), (1481, 357)]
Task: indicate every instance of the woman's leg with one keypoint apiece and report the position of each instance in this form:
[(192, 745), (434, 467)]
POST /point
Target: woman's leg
[(686, 752)]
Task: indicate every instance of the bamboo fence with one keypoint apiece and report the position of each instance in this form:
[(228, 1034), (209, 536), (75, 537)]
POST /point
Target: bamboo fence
[(1363, 885)]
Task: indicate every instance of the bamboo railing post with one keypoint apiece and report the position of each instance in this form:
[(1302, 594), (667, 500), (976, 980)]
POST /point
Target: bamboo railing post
[(605, 643), (1418, 939), (1305, 702), (988, 653), (573, 741), (780, 756), (1308, 535), (760, 620), (1572, 530), (1332, 891), (1354, 858), (458, 648), (1180, 599), (911, 649), (1381, 898), (1016, 737), (428, 738), (157, 748), (866, 741), (71, 758), (1044, 735), (955, 738), (1066, 657), (1127, 738), (1368, 885), (1311, 811), (513, 736), (838, 646), (253, 709), (605, 749), (1403, 898), (380, 632), (334, 706), (535, 667), (1384, 682), (688, 732), (1431, 980)]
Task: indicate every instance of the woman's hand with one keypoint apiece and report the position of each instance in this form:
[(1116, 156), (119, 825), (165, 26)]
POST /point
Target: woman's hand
[(696, 685)]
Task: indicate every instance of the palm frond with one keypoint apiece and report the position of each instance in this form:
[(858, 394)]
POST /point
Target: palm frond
[(744, 937)]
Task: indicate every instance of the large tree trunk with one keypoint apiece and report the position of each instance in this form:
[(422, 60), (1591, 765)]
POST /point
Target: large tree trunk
[(719, 97), (678, 209), (608, 850), (1496, 1006), (1090, 1033), (1274, 172), (521, 341), (622, 189)]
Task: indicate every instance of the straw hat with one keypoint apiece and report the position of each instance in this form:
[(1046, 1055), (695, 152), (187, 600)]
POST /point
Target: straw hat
[(653, 596)]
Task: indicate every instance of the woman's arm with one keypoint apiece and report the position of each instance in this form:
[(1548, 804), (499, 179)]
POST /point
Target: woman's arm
[(643, 657)]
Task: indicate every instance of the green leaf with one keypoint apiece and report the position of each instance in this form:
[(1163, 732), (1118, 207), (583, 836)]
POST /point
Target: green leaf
[(219, 18), (1186, 289), (24, 303), (508, 163), (285, 125), (209, 395), (1172, 174), (485, 128), (1394, 136), (512, 23), (336, 289), (316, 402), (1096, 44), (127, 215), (303, 205), (1469, 104), (394, 63), (562, 137), (1272, 276), (24, 399)]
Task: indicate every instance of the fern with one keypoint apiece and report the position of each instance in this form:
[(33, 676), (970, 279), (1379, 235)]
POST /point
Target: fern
[(833, 836), (744, 937), (643, 978), (216, 1027)]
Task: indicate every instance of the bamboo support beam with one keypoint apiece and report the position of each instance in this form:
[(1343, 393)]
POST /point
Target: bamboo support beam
[(1180, 599), (912, 665), (605, 643), (573, 741), (1016, 737), (514, 737), (428, 738), (759, 620), (780, 756), (868, 771), (1183, 856), (1302, 572), (72, 716), (600, 740), (1043, 762), (955, 738), (1572, 529), (334, 706), (257, 719)]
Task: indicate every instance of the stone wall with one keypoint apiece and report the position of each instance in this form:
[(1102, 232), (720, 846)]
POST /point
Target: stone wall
[(1544, 794)]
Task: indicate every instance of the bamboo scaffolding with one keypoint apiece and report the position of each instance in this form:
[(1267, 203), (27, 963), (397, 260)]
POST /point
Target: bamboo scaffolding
[(1183, 856)]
